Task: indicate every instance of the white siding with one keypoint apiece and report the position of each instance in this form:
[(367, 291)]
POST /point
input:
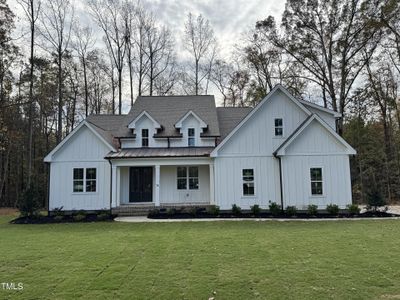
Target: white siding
[(228, 181), (257, 136), (83, 150), (297, 186), (328, 118), (170, 194)]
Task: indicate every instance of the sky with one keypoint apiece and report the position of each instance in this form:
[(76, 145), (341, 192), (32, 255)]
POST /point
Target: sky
[(230, 19)]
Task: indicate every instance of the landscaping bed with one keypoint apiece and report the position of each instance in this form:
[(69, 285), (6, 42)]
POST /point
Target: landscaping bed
[(275, 211), (72, 218)]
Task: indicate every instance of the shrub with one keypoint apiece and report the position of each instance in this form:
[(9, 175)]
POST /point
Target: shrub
[(353, 209), (236, 210), (153, 213), (58, 211), (29, 204), (79, 216), (274, 209), (332, 209), (375, 199), (192, 211), (58, 218), (255, 209), (291, 211), (102, 216), (171, 211), (213, 210), (312, 209)]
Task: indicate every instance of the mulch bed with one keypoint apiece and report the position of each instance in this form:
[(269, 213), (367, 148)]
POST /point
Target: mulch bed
[(203, 215), (65, 219)]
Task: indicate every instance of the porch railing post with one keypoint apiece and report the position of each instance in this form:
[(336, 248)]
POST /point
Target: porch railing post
[(157, 183), (114, 186)]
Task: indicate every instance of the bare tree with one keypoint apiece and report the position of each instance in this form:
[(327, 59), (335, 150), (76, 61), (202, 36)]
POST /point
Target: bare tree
[(83, 43), (199, 41), (55, 27), (110, 16), (31, 9)]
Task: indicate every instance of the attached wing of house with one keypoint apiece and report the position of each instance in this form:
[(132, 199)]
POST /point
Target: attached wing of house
[(183, 150)]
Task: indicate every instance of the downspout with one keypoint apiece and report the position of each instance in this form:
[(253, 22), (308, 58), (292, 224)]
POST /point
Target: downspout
[(280, 179), (111, 178), (48, 189)]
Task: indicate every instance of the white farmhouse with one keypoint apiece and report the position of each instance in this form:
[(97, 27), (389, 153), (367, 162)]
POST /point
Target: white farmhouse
[(182, 151)]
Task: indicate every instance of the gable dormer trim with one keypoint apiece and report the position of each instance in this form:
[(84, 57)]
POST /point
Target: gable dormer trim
[(178, 125), (132, 124)]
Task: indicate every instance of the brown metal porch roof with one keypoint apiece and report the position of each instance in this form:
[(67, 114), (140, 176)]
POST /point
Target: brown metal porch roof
[(160, 152)]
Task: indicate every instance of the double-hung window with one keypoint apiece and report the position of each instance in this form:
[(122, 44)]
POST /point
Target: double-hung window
[(248, 182), (84, 180), (191, 137), (316, 181), (279, 127), (145, 137), (187, 178)]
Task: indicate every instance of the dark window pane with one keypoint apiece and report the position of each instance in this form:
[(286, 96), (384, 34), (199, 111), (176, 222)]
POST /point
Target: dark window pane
[(190, 131), (91, 173), (182, 172), (248, 189), (316, 188), (90, 185), (278, 122), (193, 183), (181, 184), (248, 172), (145, 133), (316, 174), (278, 131), (78, 173), (78, 186), (193, 172), (145, 142)]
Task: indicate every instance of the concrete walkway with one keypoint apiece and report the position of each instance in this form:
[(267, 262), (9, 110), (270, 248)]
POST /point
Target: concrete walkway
[(147, 220)]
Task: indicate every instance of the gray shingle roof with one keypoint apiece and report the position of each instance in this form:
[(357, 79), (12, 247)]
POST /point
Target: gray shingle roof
[(168, 110), (229, 117), (161, 152)]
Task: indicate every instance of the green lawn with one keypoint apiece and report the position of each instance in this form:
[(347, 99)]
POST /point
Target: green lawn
[(238, 260)]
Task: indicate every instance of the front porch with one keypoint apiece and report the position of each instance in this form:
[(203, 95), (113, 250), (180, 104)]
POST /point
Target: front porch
[(139, 185)]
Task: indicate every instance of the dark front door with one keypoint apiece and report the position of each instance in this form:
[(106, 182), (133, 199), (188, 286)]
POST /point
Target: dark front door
[(140, 184)]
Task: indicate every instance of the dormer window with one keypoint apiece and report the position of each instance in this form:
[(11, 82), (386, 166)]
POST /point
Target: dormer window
[(145, 138), (279, 127), (191, 138)]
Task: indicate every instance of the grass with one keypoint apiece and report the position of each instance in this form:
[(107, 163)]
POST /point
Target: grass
[(237, 260)]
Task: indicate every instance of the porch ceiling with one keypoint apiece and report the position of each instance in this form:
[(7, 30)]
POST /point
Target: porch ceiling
[(161, 152)]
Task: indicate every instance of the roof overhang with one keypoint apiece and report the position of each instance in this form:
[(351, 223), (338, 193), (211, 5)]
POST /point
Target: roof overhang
[(335, 114), (132, 125), (178, 125)]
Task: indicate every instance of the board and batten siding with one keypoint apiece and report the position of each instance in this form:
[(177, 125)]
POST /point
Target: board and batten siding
[(83, 150), (229, 181), (316, 147)]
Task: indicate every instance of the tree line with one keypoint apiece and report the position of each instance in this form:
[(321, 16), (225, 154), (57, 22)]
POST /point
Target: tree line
[(343, 54)]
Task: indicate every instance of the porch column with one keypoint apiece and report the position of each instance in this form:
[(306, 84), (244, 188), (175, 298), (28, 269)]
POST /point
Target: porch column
[(212, 199), (114, 186), (157, 186)]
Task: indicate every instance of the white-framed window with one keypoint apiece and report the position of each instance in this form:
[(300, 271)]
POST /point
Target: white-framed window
[(248, 182), (191, 137), (187, 178), (84, 180), (145, 138), (278, 127), (317, 188)]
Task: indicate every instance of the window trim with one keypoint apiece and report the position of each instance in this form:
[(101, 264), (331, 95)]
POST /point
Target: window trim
[(145, 138), (254, 183), (84, 192), (322, 181), (191, 137), (187, 178), (282, 127)]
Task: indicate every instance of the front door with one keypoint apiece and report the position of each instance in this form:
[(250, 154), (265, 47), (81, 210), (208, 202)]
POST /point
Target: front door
[(141, 184)]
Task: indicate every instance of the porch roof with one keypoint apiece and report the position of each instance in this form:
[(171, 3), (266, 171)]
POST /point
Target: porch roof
[(161, 152)]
